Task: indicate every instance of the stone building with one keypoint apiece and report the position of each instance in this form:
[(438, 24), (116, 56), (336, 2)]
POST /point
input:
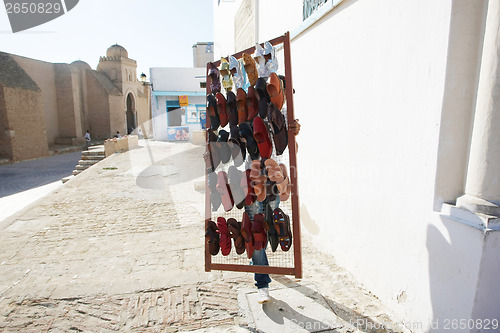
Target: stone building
[(44, 104)]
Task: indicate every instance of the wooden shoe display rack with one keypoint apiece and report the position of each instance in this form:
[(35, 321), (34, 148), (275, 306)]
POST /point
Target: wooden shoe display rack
[(280, 262)]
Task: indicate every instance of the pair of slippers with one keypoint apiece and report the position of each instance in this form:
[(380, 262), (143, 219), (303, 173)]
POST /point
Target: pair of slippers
[(214, 74), (225, 71), (217, 110), (220, 191), (265, 59), (278, 173), (277, 123), (220, 148), (254, 233), (276, 90), (247, 104), (281, 223), (219, 236)]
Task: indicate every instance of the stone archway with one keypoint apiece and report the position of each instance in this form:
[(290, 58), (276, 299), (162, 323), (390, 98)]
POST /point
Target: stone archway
[(131, 115)]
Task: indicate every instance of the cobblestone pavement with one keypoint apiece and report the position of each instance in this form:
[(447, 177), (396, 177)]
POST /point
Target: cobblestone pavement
[(120, 248)]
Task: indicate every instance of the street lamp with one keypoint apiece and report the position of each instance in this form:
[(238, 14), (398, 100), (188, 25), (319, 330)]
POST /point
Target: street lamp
[(143, 77)]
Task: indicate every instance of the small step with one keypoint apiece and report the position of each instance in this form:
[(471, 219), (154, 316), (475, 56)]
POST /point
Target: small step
[(67, 179), (82, 167), (88, 162), (93, 158), (76, 172), (93, 153)]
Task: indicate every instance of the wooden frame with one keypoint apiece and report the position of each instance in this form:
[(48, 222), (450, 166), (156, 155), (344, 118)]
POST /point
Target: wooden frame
[(297, 247)]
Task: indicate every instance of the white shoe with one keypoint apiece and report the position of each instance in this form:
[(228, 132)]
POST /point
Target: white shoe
[(263, 295)]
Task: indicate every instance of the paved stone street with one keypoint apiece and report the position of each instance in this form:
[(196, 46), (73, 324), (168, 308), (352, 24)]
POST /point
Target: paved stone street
[(121, 248), (22, 176)]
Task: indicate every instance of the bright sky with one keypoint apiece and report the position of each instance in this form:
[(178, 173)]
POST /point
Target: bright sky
[(156, 33)]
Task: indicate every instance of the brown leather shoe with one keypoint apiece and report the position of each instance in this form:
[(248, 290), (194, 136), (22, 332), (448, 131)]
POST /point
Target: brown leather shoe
[(252, 104), (241, 105), (250, 68)]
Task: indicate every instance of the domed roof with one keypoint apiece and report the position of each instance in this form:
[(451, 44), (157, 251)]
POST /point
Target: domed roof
[(116, 51), (81, 64)]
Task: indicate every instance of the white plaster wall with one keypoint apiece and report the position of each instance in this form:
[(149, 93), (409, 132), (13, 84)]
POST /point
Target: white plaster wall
[(277, 17), (382, 66), (369, 80)]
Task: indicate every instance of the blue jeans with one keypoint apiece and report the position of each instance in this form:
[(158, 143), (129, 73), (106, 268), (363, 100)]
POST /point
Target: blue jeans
[(259, 257)]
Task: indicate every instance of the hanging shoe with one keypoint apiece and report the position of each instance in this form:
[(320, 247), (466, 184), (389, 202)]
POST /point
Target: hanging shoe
[(270, 56), (227, 80), (250, 68), (214, 74), (264, 98), (260, 61)]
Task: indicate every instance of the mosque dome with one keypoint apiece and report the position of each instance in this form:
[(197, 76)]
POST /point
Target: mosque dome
[(81, 64), (116, 51)]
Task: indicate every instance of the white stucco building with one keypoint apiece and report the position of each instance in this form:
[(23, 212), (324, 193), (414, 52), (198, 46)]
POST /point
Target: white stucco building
[(399, 151), (173, 120)]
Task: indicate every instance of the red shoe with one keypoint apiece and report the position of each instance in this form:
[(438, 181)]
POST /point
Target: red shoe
[(225, 238), (246, 232), (261, 135), (241, 105), (259, 233), (252, 103), (225, 191), (221, 108)]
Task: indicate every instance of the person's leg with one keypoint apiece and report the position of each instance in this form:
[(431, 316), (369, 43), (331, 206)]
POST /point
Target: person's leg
[(259, 257)]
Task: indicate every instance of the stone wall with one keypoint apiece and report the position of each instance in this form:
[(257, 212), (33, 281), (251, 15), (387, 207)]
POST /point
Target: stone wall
[(65, 100), (26, 124), (43, 73), (98, 109), (5, 144)]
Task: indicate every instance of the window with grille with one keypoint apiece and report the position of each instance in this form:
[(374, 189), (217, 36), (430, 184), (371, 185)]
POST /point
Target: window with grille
[(310, 6)]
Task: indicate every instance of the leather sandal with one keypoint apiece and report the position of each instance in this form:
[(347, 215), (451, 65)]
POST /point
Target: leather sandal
[(264, 98), (212, 112), (246, 185), (272, 234), (246, 232), (221, 109), (258, 181), (252, 103), (225, 238), (246, 133), (222, 145), (278, 128), (250, 68), (258, 232), (212, 237), (281, 223), (231, 109), (262, 138), (234, 228), (235, 185), (276, 91), (214, 74), (225, 191), (227, 80), (241, 105)]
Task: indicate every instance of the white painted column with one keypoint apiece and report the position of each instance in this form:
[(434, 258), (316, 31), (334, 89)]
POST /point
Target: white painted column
[(482, 190)]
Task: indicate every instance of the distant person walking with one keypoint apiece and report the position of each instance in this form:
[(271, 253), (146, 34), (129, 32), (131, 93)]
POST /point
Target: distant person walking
[(87, 139)]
